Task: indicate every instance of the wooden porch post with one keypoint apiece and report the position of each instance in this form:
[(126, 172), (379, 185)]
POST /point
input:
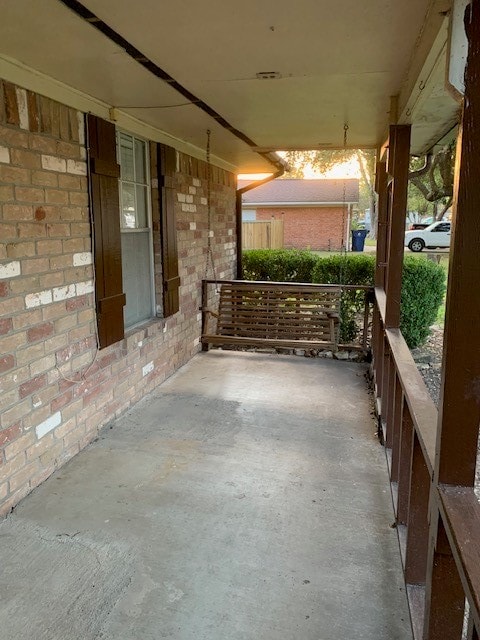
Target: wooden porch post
[(393, 209), (238, 224), (398, 165), (459, 411), (381, 187)]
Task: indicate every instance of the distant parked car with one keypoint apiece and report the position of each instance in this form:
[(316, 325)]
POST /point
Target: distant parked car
[(423, 224), (435, 236)]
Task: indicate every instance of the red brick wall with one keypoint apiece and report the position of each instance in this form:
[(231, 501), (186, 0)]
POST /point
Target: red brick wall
[(316, 228), (56, 388)]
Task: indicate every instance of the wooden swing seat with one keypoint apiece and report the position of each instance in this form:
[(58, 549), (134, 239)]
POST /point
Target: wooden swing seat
[(275, 314)]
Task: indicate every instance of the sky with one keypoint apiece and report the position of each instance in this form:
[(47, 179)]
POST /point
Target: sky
[(342, 170)]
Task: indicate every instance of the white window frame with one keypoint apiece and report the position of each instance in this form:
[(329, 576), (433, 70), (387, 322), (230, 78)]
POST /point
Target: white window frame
[(126, 230)]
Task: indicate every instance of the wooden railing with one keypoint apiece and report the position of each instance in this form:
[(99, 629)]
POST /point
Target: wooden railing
[(409, 419)]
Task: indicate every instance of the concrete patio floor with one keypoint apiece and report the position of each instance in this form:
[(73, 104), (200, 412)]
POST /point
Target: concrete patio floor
[(246, 499)]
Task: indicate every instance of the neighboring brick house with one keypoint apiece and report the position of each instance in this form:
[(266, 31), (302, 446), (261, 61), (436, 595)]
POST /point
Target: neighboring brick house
[(66, 370), (316, 213)]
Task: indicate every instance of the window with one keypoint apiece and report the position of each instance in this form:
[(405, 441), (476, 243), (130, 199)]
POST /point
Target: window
[(249, 215), (123, 244), (136, 229), (445, 226)]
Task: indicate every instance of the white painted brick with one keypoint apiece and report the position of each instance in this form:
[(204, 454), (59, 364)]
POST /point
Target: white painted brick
[(62, 293), (210, 233), (196, 341), (4, 155), (52, 163), (192, 190), (84, 287), (83, 153), (181, 197), (38, 299), (10, 269), (47, 425), (193, 226), (22, 108), (82, 259), (77, 167), (81, 127), (196, 182), (189, 199), (230, 232), (147, 368), (203, 201), (189, 208)]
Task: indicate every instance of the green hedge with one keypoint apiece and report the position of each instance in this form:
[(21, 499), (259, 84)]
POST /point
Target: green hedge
[(347, 269), (422, 291), (278, 265)]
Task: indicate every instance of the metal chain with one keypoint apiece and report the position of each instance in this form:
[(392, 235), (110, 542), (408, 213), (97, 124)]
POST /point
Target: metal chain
[(343, 251), (345, 133), (210, 258)]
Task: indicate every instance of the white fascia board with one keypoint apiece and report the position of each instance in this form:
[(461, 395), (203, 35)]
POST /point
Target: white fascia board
[(17, 73)]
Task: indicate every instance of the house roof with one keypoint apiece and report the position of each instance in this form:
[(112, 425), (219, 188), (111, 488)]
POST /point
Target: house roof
[(296, 192)]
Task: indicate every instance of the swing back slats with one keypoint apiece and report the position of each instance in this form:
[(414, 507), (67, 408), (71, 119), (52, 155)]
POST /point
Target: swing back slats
[(270, 314)]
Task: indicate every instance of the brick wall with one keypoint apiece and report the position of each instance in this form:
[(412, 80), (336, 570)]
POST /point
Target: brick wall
[(56, 388), (316, 228)]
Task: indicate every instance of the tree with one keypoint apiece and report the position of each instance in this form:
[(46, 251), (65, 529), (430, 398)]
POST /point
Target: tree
[(324, 160), (432, 175)]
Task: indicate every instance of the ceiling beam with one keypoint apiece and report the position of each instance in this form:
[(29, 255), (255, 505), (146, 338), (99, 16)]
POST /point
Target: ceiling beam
[(85, 14)]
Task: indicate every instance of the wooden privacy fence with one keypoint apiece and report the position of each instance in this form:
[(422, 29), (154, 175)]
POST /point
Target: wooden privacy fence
[(281, 314), (266, 234)]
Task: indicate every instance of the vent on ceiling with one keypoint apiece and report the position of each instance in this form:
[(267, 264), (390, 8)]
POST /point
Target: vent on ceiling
[(269, 75)]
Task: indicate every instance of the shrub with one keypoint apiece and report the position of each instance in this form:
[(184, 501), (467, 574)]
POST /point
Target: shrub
[(278, 265), (344, 269), (422, 291), (347, 269)]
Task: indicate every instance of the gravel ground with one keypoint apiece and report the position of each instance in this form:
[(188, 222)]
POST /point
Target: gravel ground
[(429, 363)]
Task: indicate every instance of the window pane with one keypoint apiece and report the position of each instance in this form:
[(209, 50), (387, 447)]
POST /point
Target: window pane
[(128, 220), (142, 220), (140, 169), (137, 279), (126, 157)]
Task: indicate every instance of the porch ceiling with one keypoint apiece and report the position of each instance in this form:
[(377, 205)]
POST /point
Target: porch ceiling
[(338, 62)]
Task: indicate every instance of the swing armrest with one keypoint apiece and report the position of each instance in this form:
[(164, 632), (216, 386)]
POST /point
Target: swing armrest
[(212, 313), (333, 315)]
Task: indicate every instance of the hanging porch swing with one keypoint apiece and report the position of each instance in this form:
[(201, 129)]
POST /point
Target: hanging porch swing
[(273, 314)]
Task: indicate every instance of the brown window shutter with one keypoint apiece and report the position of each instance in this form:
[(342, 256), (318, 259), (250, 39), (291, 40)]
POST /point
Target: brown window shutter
[(103, 177), (167, 162)]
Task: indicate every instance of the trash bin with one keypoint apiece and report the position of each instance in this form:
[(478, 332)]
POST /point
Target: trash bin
[(358, 239)]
